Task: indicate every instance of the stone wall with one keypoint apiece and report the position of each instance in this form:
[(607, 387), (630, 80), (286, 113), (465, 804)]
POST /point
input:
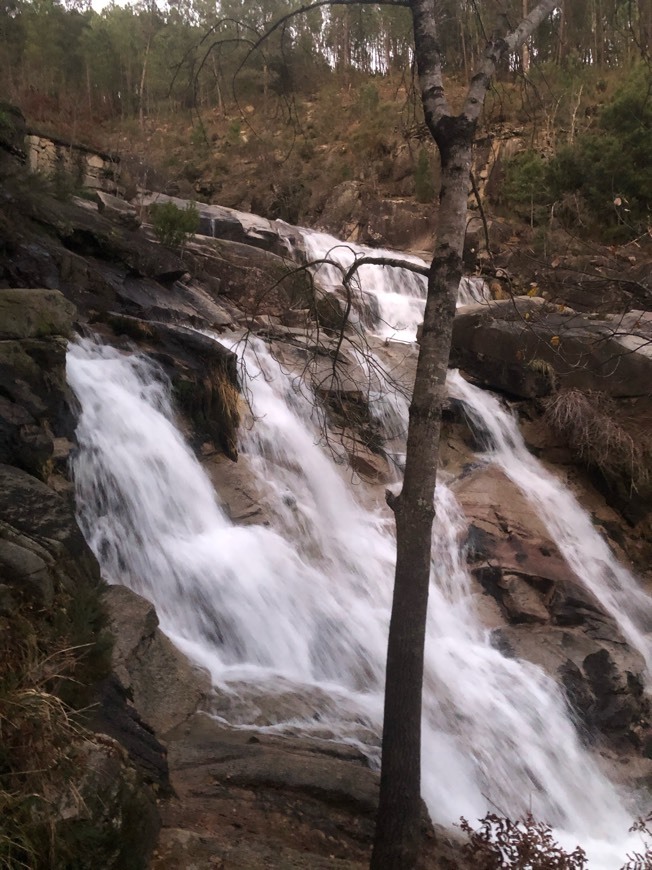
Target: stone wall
[(88, 168)]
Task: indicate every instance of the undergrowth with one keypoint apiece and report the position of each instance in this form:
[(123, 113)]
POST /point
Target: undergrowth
[(50, 656), (37, 731), (501, 844), (173, 226), (591, 424), (527, 844)]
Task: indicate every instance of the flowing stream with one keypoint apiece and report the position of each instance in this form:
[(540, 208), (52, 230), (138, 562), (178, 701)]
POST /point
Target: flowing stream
[(300, 607)]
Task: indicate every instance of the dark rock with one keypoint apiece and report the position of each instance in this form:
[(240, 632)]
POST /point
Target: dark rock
[(34, 314), (330, 310), (31, 511), (33, 391), (12, 131), (166, 689), (116, 716), (526, 347), (22, 441), (118, 210), (257, 281), (31, 264), (106, 818), (548, 617), (87, 233), (521, 600), (601, 678), (26, 572)]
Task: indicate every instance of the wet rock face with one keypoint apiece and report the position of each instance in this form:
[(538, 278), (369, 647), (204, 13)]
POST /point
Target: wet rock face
[(166, 689), (89, 799), (33, 391), (540, 612), (525, 347), (248, 800), (203, 374)]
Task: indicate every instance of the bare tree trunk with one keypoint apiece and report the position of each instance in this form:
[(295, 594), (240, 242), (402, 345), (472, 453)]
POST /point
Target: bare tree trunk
[(89, 89), (645, 26), (397, 840), (141, 89), (525, 51), (397, 826), (465, 60), (220, 100)]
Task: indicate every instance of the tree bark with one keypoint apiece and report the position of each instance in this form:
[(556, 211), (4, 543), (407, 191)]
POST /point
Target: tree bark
[(397, 838)]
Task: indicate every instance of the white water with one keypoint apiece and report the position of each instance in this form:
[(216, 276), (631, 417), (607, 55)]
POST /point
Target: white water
[(400, 295), (569, 525), (302, 605)]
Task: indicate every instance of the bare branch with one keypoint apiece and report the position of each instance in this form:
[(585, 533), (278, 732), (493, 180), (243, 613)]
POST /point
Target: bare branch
[(308, 7), (384, 261)]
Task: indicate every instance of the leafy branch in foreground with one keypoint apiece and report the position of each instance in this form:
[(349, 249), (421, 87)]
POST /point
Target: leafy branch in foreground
[(501, 844), (641, 860)]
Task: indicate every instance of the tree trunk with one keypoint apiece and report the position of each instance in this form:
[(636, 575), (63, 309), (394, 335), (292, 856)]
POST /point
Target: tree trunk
[(141, 89), (525, 50), (397, 841), (397, 826)]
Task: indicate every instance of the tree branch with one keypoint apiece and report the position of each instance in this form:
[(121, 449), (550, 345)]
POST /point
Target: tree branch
[(317, 4), (383, 261), (496, 49)]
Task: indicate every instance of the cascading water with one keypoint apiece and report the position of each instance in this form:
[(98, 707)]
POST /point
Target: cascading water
[(304, 603), (569, 525), (400, 295)]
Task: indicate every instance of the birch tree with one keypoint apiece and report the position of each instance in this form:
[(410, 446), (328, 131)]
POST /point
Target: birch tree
[(396, 843)]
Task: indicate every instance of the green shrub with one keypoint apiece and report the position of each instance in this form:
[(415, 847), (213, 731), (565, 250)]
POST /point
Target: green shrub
[(602, 182), (172, 225), (368, 98), (424, 185), (525, 188)]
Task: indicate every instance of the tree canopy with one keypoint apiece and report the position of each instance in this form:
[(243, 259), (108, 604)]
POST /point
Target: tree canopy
[(64, 56)]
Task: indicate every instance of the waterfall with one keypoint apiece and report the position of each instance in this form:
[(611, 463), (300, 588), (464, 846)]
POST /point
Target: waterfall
[(569, 526), (300, 607), (400, 295)]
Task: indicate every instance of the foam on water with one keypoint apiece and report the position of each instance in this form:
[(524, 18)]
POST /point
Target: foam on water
[(399, 295)]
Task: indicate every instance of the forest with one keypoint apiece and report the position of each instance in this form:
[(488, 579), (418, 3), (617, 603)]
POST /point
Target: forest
[(583, 80), (143, 56)]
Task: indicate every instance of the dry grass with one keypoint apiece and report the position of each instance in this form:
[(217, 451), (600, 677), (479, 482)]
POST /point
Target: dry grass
[(37, 732), (595, 429)]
